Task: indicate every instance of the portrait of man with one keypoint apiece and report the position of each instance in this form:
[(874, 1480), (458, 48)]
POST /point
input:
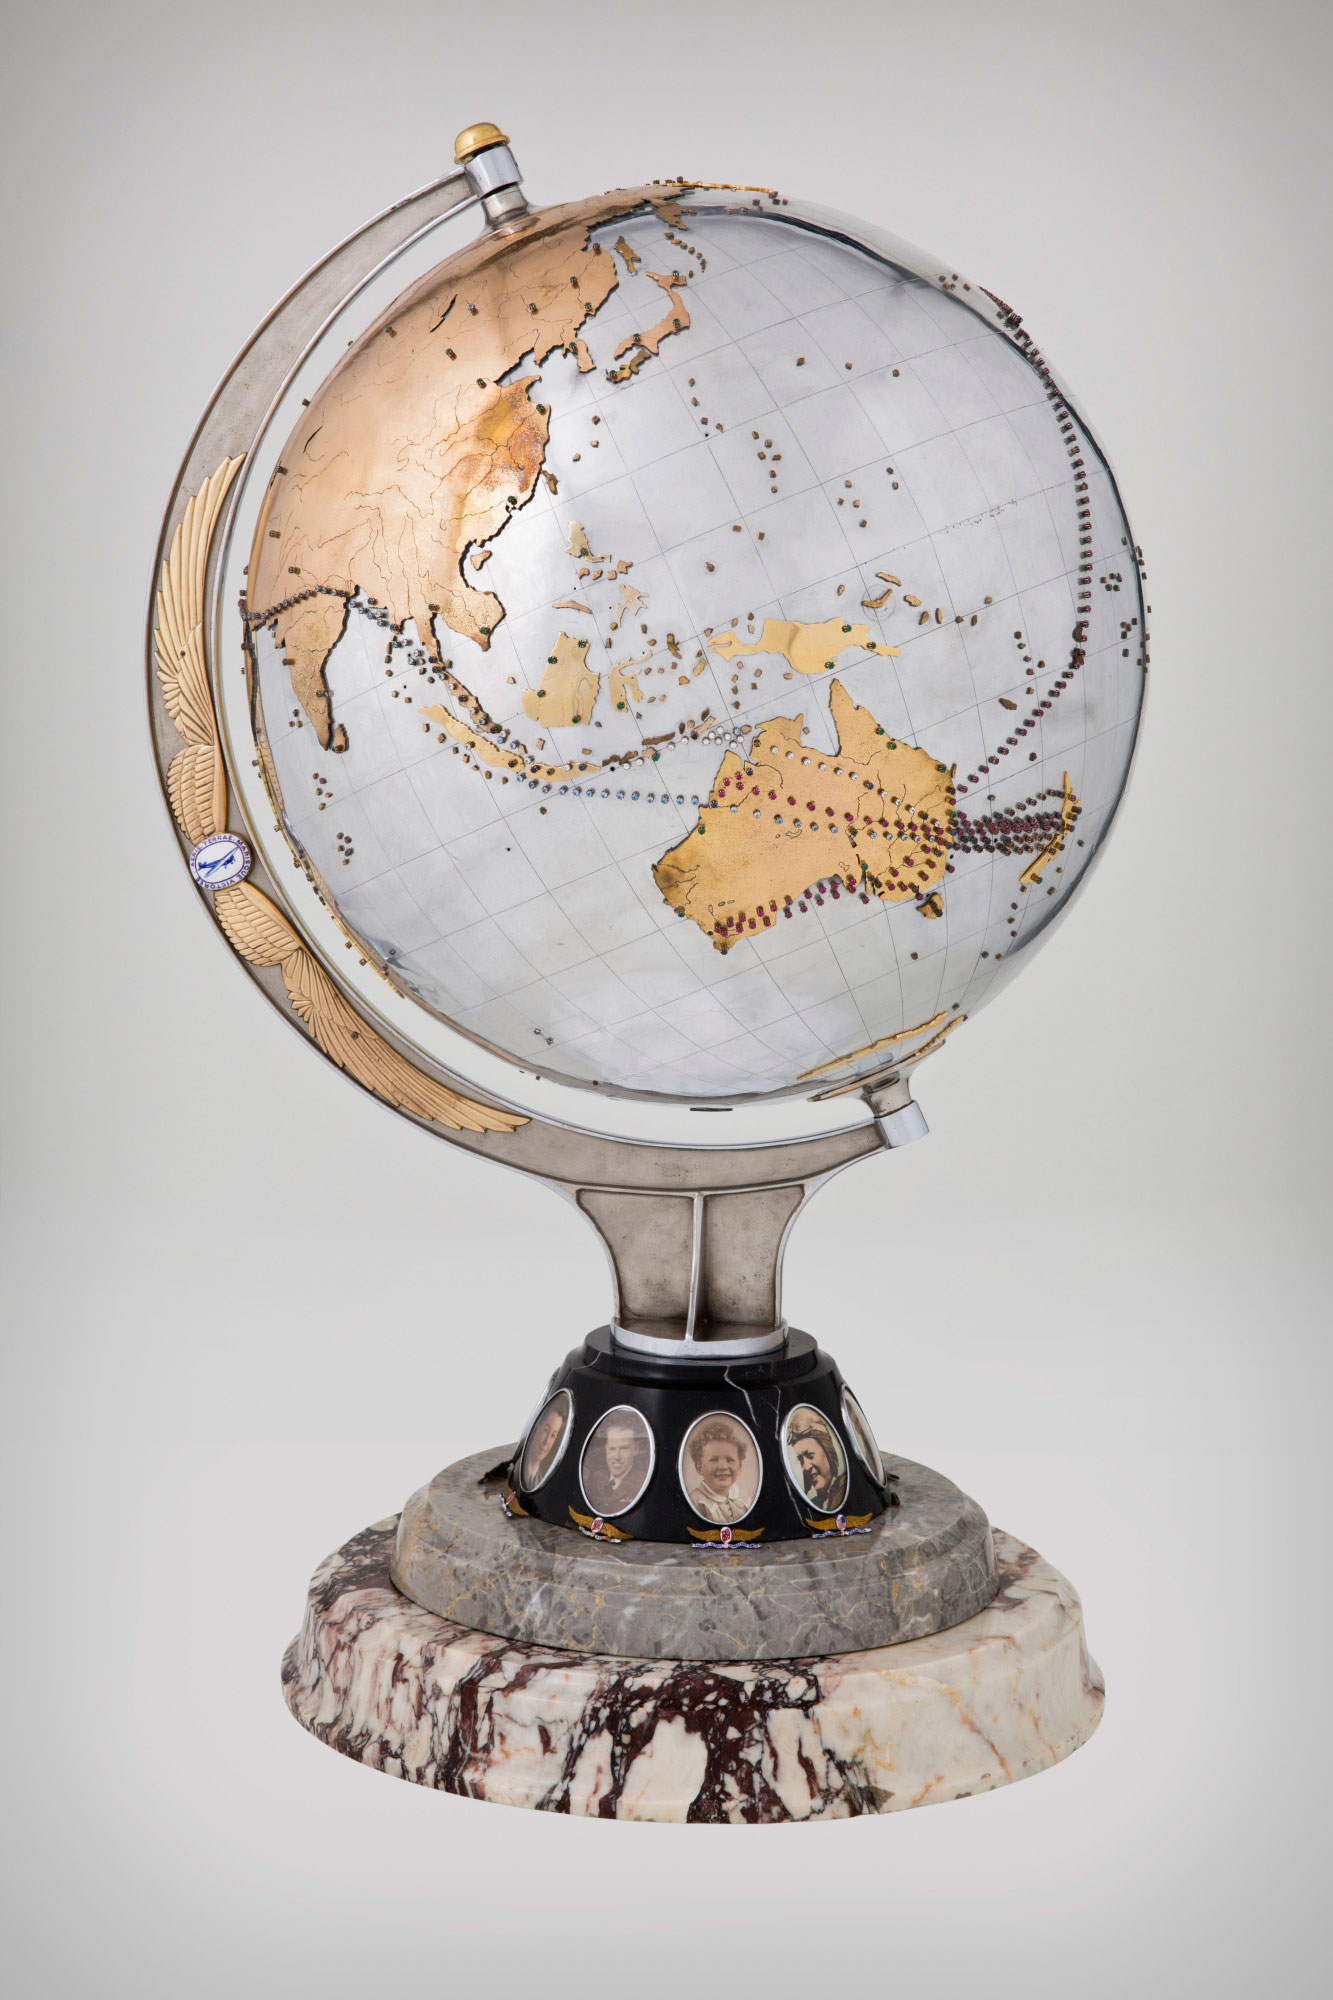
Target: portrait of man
[(617, 1462), (862, 1437), (816, 1459), (720, 1469), (545, 1441)]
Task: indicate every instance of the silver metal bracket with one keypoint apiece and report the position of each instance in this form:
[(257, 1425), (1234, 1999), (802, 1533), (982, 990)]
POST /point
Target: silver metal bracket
[(494, 178), (897, 1114)]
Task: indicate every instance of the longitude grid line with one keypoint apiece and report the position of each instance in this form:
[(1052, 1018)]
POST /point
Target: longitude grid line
[(697, 636), (855, 564), (594, 956), (779, 601)]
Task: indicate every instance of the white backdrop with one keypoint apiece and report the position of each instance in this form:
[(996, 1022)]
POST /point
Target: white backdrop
[(1096, 1296)]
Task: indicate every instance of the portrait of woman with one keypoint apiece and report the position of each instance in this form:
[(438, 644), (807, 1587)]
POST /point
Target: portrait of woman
[(815, 1458)]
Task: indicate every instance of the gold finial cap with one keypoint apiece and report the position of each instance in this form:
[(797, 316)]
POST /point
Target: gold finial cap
[(475, 139)]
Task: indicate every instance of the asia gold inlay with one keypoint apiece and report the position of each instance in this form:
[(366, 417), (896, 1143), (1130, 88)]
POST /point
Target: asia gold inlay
[(253, 925)]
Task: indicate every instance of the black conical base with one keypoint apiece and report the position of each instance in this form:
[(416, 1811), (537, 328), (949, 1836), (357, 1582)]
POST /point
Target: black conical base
[(772, 1448)]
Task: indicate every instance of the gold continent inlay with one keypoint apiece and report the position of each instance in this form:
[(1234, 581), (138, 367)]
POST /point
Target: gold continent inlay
[(416, 452), (254, 926)]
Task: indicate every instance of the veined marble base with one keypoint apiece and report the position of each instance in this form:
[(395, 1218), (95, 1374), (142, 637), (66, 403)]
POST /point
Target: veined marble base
[(1000, 1697)]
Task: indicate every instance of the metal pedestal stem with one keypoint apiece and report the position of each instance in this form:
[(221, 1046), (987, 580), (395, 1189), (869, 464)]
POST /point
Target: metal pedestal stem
[(697, 1270)]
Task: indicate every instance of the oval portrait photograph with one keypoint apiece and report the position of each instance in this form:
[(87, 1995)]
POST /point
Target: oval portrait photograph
[(546, 1441), (863, 1438), (720, 1470), (617, 1461), (815, 1458)]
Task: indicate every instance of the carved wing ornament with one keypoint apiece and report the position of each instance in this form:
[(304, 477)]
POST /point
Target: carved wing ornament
[(254, 926), (196, 781)]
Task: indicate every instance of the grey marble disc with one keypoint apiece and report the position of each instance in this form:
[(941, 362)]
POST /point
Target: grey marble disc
[(920, 1568)]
